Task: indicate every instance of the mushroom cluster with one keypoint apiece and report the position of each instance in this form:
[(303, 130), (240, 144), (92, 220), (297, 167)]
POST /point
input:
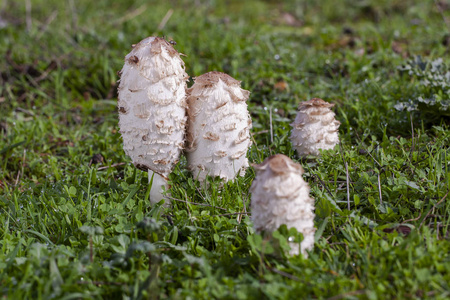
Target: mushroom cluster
[(314, 128), (152, 109), (152, 106), (218, 135), (281, 196), (155, 106)]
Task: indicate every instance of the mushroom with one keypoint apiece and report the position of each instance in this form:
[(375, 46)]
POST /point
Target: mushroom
[(314, 128), (152, 109), (281, 196), (218, 134)]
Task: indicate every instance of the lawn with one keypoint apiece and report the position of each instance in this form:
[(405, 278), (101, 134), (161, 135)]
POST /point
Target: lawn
[(76, 220)]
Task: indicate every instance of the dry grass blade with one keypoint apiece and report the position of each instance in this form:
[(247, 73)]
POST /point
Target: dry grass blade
[(132, 14), (348, 185), (194, 203), (379, 188), (287, 275), (415, 219), (28, 15), (347, 176), (346, 295), (232, 214), (111, 166), (434, 206), (270, 124), (165, 19), (47, 23)]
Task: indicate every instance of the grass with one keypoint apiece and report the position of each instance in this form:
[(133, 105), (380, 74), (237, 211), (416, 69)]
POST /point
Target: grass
[(79, 226)]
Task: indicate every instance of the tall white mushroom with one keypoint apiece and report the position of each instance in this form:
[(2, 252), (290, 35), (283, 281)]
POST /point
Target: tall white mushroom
[(314, 128), (281, 196), (218, 134), (152, 109)]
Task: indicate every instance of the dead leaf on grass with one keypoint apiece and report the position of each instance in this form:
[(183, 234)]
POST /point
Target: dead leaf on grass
[(403, 229), (96, 159), (399, 48), (281, 86), (289, 19)]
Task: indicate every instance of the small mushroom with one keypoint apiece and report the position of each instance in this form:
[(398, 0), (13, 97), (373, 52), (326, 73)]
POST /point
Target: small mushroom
[(281, 196), (314, 128), (218, 134), (152, 109)]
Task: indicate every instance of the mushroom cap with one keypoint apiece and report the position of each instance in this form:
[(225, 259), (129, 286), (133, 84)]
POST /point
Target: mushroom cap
[(316, 102), (279, 164), (211, 78), (157, 45)]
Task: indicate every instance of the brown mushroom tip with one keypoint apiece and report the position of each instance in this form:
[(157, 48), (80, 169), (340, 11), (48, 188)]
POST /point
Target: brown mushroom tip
[(316, 102), (212, 78), (280, 164), (160, 43), (157, 43)]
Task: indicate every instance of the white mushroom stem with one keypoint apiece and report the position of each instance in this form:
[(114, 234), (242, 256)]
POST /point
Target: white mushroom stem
[(159, 184), (281, 196), (218, 135), (314, 128)]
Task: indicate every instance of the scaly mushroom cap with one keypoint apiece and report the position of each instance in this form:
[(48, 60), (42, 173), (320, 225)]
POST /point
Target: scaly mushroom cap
[(314, 128), (281, 196), (152, 105), (218, 134)]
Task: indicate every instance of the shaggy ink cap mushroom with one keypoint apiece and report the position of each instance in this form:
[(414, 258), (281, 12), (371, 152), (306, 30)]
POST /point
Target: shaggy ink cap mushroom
[(314, 128), (218, 135), (152, 108), (281, 196)]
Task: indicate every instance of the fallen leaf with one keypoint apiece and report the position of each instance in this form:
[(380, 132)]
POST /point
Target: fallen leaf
[(388, 230), (291, 20), (281, 86), (403, 229), (96, 159), (398, 48)]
